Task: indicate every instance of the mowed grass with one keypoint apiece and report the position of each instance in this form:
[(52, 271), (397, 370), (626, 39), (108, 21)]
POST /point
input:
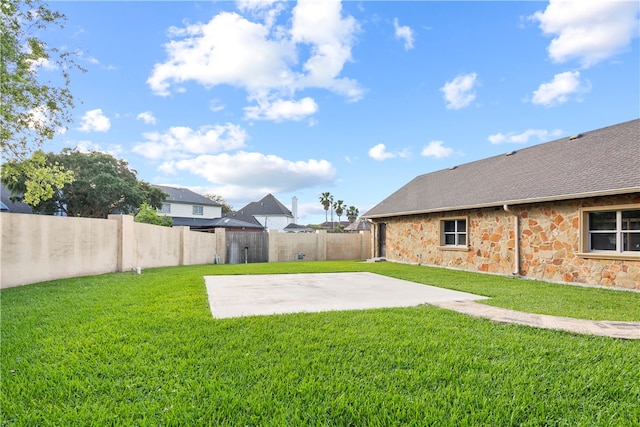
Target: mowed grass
[(123, 349)]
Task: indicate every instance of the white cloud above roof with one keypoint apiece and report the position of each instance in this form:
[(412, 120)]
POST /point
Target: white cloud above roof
[(182, 141), (404, 33), (524, 137), (437, 150), (87, 146), (281, 109), (257, 170), (560, 89), (588, 30), (459, 92), (94, 121), (147, 117), (262, 58), (379, 152)]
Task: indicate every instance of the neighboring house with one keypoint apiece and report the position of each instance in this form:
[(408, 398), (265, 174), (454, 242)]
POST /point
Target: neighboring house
[(186, 207), (6, 205), (328, 225), (267, 212), (566, 210), (297, 228), (359, 224), (229, 224)]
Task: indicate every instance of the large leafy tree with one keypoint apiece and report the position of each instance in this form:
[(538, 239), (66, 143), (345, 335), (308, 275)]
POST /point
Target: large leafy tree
[(32, 108), (35, 179), (226, 207), (149, 215), (102, 184)]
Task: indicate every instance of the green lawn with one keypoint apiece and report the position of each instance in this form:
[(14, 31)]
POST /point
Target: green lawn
[(123, 349)]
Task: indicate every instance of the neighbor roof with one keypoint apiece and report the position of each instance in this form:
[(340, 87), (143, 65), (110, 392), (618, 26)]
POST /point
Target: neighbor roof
[(214, 223), (6, 205), (183, 195), (600, 162), (267, 206)]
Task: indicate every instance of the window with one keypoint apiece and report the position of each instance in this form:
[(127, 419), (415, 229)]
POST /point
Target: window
[(613, 231), (198, 210), (166, 208), (454, 232)]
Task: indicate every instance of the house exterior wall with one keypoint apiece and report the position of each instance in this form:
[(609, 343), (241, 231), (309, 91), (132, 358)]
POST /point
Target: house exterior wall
[(549, 237), (185, 210), (274, 222)]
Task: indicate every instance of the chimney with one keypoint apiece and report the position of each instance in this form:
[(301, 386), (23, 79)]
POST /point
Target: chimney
[(294, 209)]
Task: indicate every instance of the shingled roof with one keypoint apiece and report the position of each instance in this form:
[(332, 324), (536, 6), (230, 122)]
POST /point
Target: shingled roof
[(600, 162), (267, 206), (184, 195), (7, 205)]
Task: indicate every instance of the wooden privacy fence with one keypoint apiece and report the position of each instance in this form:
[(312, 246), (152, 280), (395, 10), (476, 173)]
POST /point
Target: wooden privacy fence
[(246, 247)]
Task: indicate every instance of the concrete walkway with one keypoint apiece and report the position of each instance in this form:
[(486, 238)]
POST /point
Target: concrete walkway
[(625, 330), (240, 295)]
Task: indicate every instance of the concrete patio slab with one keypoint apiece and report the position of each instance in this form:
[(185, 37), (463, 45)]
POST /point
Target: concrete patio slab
[(251, 295)]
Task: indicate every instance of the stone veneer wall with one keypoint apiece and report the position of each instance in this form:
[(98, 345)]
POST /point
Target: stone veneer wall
[(549, 243)]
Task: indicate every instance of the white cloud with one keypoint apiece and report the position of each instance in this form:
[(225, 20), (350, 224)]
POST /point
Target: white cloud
[(250, 170), (40, 117), (181, 142), (380, 153), (329, 36), (94, 120), (282, 110), (458, 93), (43, 63), (436, 149), (87, 146), (267, 10), (261, 58), (560, 89), (588, 30), (216, 105), (523, 138), (405, 33), (147, 117)]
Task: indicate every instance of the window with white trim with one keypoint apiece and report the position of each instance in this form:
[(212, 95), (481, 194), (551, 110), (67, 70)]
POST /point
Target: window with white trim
[(198, 210), (615, 231), (454, 232), (166, 208)]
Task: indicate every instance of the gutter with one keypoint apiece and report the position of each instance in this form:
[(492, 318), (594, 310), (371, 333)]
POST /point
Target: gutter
[(516, 238), (555, 198)]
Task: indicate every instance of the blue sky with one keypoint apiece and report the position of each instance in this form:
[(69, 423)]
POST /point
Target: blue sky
[(246, 98)]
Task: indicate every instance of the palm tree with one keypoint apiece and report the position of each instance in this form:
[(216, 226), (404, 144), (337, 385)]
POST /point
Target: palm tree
[(339, 208), (352, 214), (326, 199)]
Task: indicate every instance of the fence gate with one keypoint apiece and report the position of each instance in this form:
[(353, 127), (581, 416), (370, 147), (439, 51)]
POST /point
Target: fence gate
[(247, 246)]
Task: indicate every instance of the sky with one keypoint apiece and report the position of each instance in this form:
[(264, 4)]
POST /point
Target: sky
[(241, 99)]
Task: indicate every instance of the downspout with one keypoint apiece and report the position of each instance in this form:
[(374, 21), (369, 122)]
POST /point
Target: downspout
[(516, 238)]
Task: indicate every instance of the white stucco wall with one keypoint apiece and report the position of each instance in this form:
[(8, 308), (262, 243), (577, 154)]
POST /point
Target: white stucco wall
[(35, 248)]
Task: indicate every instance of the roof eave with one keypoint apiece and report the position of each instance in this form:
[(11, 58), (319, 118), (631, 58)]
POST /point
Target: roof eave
[(615, 192)]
